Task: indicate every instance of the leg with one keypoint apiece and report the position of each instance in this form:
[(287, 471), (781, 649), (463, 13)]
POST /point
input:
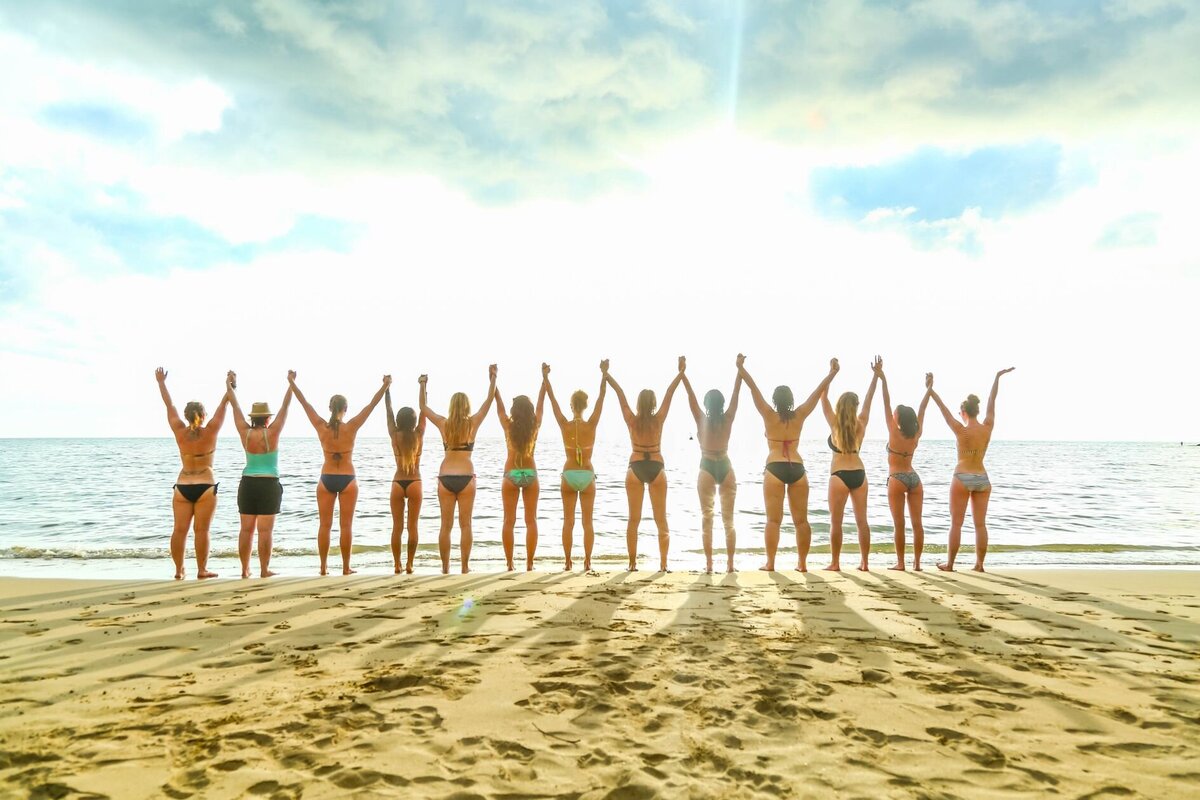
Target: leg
[(658, 504), (509, 494), (245, 540), (773, 492), (797, 495), (447, 500), (587, 500), (859, 498), (466, 506), (569, 497), (347, 500), (634, 491), (413, 495), (529, 499), (958, 511), (897, 493), (266, 531), (325, 500), (916, 500), (706, 487), (206, 506), (979, 504), (728, 495), (182, 511), (396, 501), (838, 495)]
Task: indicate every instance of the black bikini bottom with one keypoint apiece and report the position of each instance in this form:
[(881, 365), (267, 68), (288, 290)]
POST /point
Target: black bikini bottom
[(787, 471), (853, 478), (194, 491)]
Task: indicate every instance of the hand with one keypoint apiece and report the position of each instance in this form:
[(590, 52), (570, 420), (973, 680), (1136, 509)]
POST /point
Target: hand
[(1005, 371), (682, 363), (291, 376), (492, 372), (604, 367), (741, 361), (834, 366), (387, 381), (160, 375), (545, 370), (929, 381), (423, 380), (877, 366), (230, 380)]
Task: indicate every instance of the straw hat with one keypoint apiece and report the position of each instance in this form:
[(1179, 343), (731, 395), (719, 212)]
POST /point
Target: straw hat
[(260, 410)]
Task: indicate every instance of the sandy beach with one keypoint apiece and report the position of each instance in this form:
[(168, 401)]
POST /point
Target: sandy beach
[(617, 685)]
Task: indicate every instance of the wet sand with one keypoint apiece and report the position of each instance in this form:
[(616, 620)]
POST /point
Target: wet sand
[(1064, 683)]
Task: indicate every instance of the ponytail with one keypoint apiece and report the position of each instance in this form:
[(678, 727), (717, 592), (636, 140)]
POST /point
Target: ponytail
[(337, 406)]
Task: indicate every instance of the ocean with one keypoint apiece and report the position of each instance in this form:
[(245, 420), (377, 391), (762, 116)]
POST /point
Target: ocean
[(101, 508)]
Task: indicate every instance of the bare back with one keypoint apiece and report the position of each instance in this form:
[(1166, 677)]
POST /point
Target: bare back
[(196, 448), (783, 438), (901, 449), (646, 437), (418, 449), (338, 448), (714, 439), (579, 439), (973, 440)]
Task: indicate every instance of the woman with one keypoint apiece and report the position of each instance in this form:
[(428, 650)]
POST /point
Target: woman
[(337, 483), (407, 435), (713, 426), (578, 477), (970, 481), (195, 496), (847, 476), (259, 491), (520, 472), (646, 465), (456, 475), (905, 427), (785, 474)]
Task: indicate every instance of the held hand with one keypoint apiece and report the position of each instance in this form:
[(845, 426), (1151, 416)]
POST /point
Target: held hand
[(545, 370), (160, 375), (741, 361), (492, 372), (1005, 371), (291, 376), (877, 366), (387, 381), (423, 380), (834, 366), (231, 380), (682, 363), (929, 381), (604, 367)]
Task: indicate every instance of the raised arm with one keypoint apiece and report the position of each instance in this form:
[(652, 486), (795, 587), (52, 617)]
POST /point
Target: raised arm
[(665, 406), (173, 418), (313, 416), (924, 402), (427, 413), (358, 419), (239, 421), (479, 416), (864, 414), (541, 403), (599, 406), (821, 392), (887, 401), (626, 411), (830, 417), (281, 417), (760, 402), (218, 418), (387, 410), (696, 412), (501, 411), (558, 414), (954, 424), (731, 409), (991, 406)]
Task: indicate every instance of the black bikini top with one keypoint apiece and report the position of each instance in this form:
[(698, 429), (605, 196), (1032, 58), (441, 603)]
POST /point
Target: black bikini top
[(833, 447), (468, 447)]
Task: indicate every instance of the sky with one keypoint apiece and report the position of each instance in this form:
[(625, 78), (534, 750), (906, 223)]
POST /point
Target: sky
[(359, 188)]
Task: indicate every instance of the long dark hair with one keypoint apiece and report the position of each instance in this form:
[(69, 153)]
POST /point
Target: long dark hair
[(522, 430), (337, 405), (907, 419), (406, 439), (784, 403), (714, 408)]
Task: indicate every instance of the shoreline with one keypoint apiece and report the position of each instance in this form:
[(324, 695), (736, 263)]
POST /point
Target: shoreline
[(611, 685)]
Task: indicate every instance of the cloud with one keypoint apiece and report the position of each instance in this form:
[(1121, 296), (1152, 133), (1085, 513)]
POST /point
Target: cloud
[(1134, 230)]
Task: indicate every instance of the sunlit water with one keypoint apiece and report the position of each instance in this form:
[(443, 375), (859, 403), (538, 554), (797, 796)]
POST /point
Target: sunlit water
[(102, 507)]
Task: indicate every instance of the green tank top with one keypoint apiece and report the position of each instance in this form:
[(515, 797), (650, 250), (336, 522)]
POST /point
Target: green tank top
[(262, 465)]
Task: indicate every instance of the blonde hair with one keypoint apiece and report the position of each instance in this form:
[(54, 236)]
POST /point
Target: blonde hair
[(646, 403), (845, 431), (405, 439), (579, 402), (337, 405), (193, 412), (458, 421), (971, 405)]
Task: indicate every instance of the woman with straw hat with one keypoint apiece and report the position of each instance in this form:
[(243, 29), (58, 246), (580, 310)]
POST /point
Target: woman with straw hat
[(259, 492)]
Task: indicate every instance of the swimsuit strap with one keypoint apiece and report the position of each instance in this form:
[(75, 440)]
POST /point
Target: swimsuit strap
[(578, 449)]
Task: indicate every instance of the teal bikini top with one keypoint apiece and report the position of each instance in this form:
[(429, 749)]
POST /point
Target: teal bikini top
[(262, 465)]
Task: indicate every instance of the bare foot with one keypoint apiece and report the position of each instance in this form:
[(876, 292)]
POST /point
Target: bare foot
[(245, 573), (445, 570), (587, 566), (708, 571), (916, 566), (179, 576), (944, 567), (267, 574), (898, 567), (568, 565), (202, 574), (408, 570), (631, 568), (834, 568), (978, 568), (863, 568), (324, 571), (397, 569), (465, 569), (348, 571), (801, 567), (767, 568), (510, 567)]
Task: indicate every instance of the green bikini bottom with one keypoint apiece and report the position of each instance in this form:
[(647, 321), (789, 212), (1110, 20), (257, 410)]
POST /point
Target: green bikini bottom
[(578, 479), (522, 477)]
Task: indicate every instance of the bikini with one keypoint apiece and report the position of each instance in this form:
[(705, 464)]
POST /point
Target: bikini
[(456, 483), (578, 479), (404, 483), (336, 483), (974, 481), (194, 491), (647, 469), (852, 478), (786, 471), (717, 464), (910, 479), (522, 477)]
